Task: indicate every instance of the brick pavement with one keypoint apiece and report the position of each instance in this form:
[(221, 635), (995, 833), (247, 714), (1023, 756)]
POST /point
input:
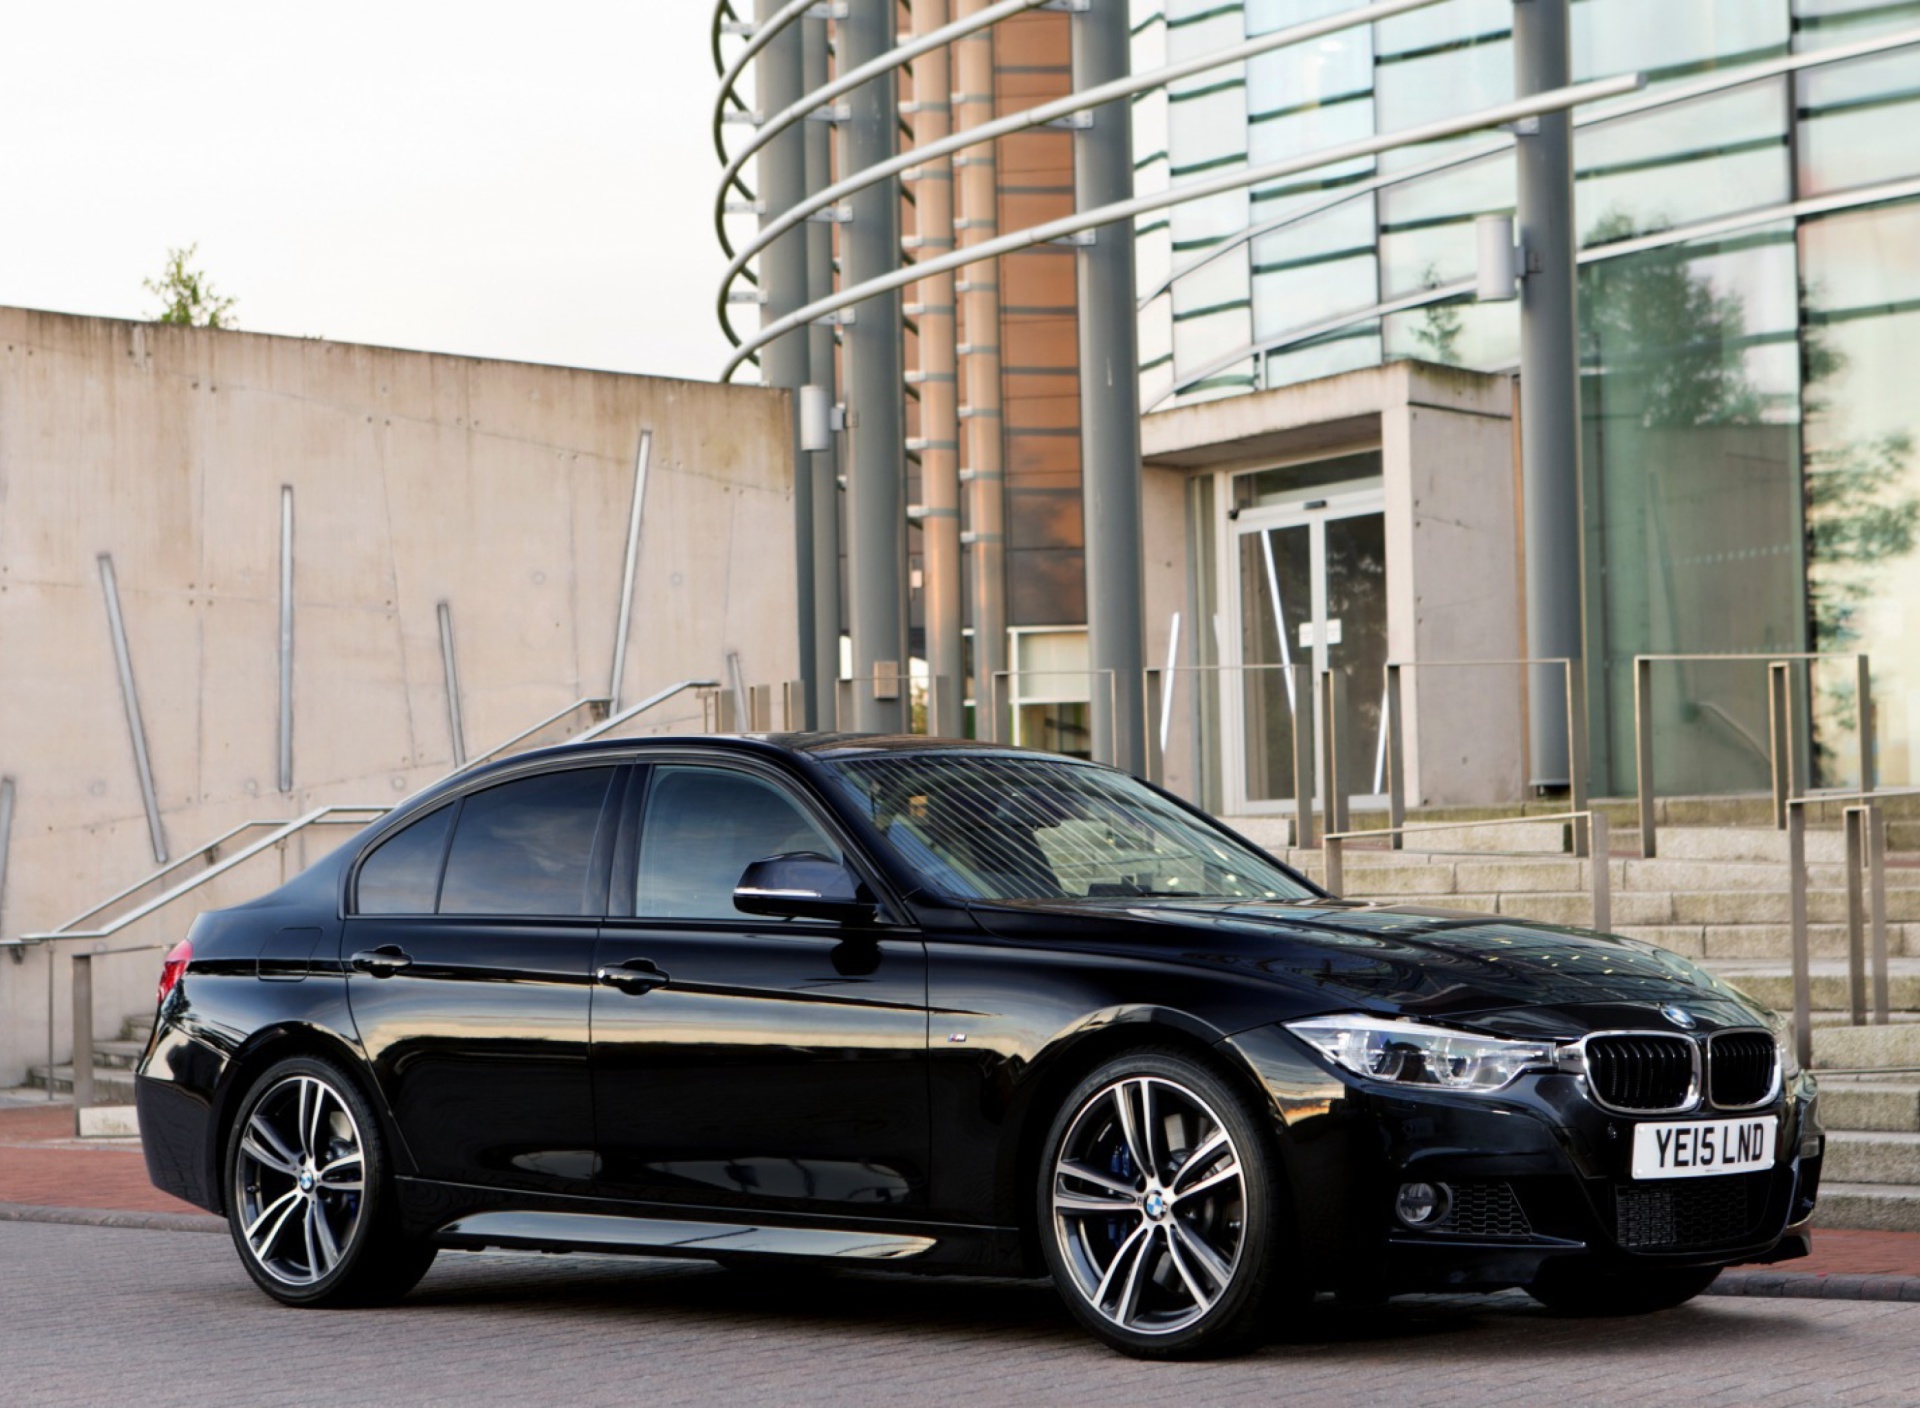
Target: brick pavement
[(90, 1315)]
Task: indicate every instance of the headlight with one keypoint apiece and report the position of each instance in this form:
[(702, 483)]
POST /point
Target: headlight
[(1783, 1046), (1406, 1053)]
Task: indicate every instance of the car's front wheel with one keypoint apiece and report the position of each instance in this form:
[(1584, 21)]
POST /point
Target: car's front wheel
[(1569, 1288), (310, 1195), (1157, 1207)]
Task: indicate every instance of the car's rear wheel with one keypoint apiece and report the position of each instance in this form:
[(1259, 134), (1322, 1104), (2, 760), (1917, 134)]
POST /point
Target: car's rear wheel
[(1569, 1288), (310, 1197), (1157, 1208)]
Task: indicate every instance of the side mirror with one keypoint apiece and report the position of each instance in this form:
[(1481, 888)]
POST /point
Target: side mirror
[(804, 885)]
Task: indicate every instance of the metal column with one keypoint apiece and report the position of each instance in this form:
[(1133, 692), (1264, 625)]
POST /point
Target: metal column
[(781, 183), (818, 141), (977, 196), (876, 414), (939, 419), (1549, 372), (1110, 395)]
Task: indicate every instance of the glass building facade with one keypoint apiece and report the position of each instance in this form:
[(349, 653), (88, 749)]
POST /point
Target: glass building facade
[(1749, 287)]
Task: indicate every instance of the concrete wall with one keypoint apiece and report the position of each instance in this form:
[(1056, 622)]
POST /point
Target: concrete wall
[(502, 489), (1453, 578)]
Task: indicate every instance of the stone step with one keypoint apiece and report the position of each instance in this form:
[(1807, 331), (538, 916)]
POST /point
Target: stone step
[(1875, 1207), (1827, 983), (1894, 1049), (116, 1055), (1854, 1156), (1774, 942), (109, 1087), (1744, 843), (138, 1027), (1861, 1103)]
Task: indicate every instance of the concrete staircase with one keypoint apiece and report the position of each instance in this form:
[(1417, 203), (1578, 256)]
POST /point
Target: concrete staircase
[(113, 1061), (1717, 893)]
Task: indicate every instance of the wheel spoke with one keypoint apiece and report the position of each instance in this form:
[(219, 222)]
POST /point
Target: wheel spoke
[(311, 1115), (1098, 1205), (253, 1144), (1128, 1256), (278, 1211), (1130, 1130), (1200, 1297), (320, 1235), (1197, 1161), (326, 1177), (1195, 1245), (1083, 1173), (1228, 1173)]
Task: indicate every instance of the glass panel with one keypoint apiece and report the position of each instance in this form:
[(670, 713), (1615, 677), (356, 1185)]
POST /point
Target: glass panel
[(703, 828), (1295, 483), (1862, 273), (1056, 728), (1357, 635), (1276, 600), (526, 847), (403, 873), (1670, 41)]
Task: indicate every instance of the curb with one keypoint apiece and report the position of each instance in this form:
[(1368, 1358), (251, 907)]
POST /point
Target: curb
[(107, 1217), (1808, 1285)]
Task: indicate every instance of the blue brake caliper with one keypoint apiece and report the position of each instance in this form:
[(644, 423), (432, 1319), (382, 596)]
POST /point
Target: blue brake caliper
[(1121, 1167)]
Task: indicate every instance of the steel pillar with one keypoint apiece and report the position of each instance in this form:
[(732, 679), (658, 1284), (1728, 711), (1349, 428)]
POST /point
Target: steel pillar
[(876, 413), (820, 697), (932, 116), (1549, 372), (1110, 396), (977, 198), (781, 183)]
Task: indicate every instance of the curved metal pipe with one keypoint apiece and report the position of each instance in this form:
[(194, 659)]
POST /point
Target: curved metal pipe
[(1553, 101), (763, 35)]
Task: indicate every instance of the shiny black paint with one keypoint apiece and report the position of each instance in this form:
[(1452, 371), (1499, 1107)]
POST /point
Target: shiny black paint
[(898, 1076)]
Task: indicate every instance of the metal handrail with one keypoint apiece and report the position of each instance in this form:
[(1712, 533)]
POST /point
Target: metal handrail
[(1782, 730), (1592, 819), (1037, 116), (1718, 82), (1555, 100), (608, 725), (587, 701), (82, 994)]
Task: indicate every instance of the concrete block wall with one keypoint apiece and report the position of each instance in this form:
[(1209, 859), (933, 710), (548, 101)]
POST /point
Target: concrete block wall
[(502, 489)]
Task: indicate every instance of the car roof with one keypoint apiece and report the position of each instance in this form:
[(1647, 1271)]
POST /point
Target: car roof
[(809, 744)]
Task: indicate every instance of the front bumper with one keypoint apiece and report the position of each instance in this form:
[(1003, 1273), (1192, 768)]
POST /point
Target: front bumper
[(1536, 1174)]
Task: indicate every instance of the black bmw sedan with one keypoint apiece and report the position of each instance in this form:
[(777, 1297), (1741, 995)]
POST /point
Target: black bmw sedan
[(949, 1007)]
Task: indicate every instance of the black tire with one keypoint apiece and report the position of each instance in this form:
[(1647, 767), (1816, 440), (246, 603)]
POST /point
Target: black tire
[(1572, 1288), (1195, 1273), (308, 1231)]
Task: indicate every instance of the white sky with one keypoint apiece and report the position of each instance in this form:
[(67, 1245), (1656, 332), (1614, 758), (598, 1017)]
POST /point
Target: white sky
[(506, 180)]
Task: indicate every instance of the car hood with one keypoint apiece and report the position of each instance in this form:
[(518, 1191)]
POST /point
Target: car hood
[(1403, 959)]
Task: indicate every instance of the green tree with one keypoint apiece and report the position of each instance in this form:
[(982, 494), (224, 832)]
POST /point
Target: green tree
[(1440, 324), (187, 296)]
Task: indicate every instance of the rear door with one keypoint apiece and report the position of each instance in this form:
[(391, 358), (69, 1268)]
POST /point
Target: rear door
[(470, 969), (754, 1062)]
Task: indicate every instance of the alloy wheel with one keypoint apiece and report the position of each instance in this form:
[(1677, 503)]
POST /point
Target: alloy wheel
[(299, 1180), (1148, 1199)]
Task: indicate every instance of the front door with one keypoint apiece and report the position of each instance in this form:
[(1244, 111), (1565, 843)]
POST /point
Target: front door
[(1307, 579), (741, 1061)]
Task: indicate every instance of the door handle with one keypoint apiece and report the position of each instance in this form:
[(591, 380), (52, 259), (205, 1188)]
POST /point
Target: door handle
[(382, 962), (635, 977)]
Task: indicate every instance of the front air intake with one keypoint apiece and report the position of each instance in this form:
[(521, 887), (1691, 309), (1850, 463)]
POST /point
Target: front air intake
[(1740, 1069), (1641, 1072)]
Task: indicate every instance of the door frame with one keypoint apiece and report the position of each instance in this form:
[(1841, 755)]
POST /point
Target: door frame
[(1316, 507)]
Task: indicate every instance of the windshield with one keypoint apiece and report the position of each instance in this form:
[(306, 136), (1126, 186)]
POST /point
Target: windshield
[(991, 827)]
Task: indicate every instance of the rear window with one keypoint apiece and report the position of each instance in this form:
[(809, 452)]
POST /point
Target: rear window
[(526, 847), (402, 876)]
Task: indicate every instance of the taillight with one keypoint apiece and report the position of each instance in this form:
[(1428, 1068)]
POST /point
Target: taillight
[(178, 957)]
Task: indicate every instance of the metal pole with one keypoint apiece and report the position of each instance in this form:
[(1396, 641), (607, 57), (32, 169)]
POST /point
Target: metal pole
[(1797, 913), (1549, 367), (450, 670), (82, 1036), (1601, 877), (1877, 893), (286, 640), (932, 114), (1780, 736), (1577, 779), (1334, 748), (822, 700), (1396, 758), (1110, 392), (130, 701), (978, 200), (6, 845), (1642, 741), (1853, 822), (1303, 751), (780, 181), (1336, 870), (624, 620), (876, 414), (1863, 702)]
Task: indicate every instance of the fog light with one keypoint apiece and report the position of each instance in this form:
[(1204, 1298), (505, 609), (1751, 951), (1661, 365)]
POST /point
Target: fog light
[(1422, 1204)]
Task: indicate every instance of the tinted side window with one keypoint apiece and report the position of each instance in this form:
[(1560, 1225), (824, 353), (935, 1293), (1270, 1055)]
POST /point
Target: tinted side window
[(702, 828), (403, 873), (526, 847)]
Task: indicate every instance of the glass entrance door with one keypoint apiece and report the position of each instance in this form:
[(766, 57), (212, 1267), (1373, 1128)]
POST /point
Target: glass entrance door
[(1309, 587)]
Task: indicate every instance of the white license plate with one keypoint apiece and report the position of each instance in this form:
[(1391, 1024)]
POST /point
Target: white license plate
[(1699, 1148)]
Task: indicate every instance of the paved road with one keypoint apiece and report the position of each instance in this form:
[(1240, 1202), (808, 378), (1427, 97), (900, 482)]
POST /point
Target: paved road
[(105, 1315)]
